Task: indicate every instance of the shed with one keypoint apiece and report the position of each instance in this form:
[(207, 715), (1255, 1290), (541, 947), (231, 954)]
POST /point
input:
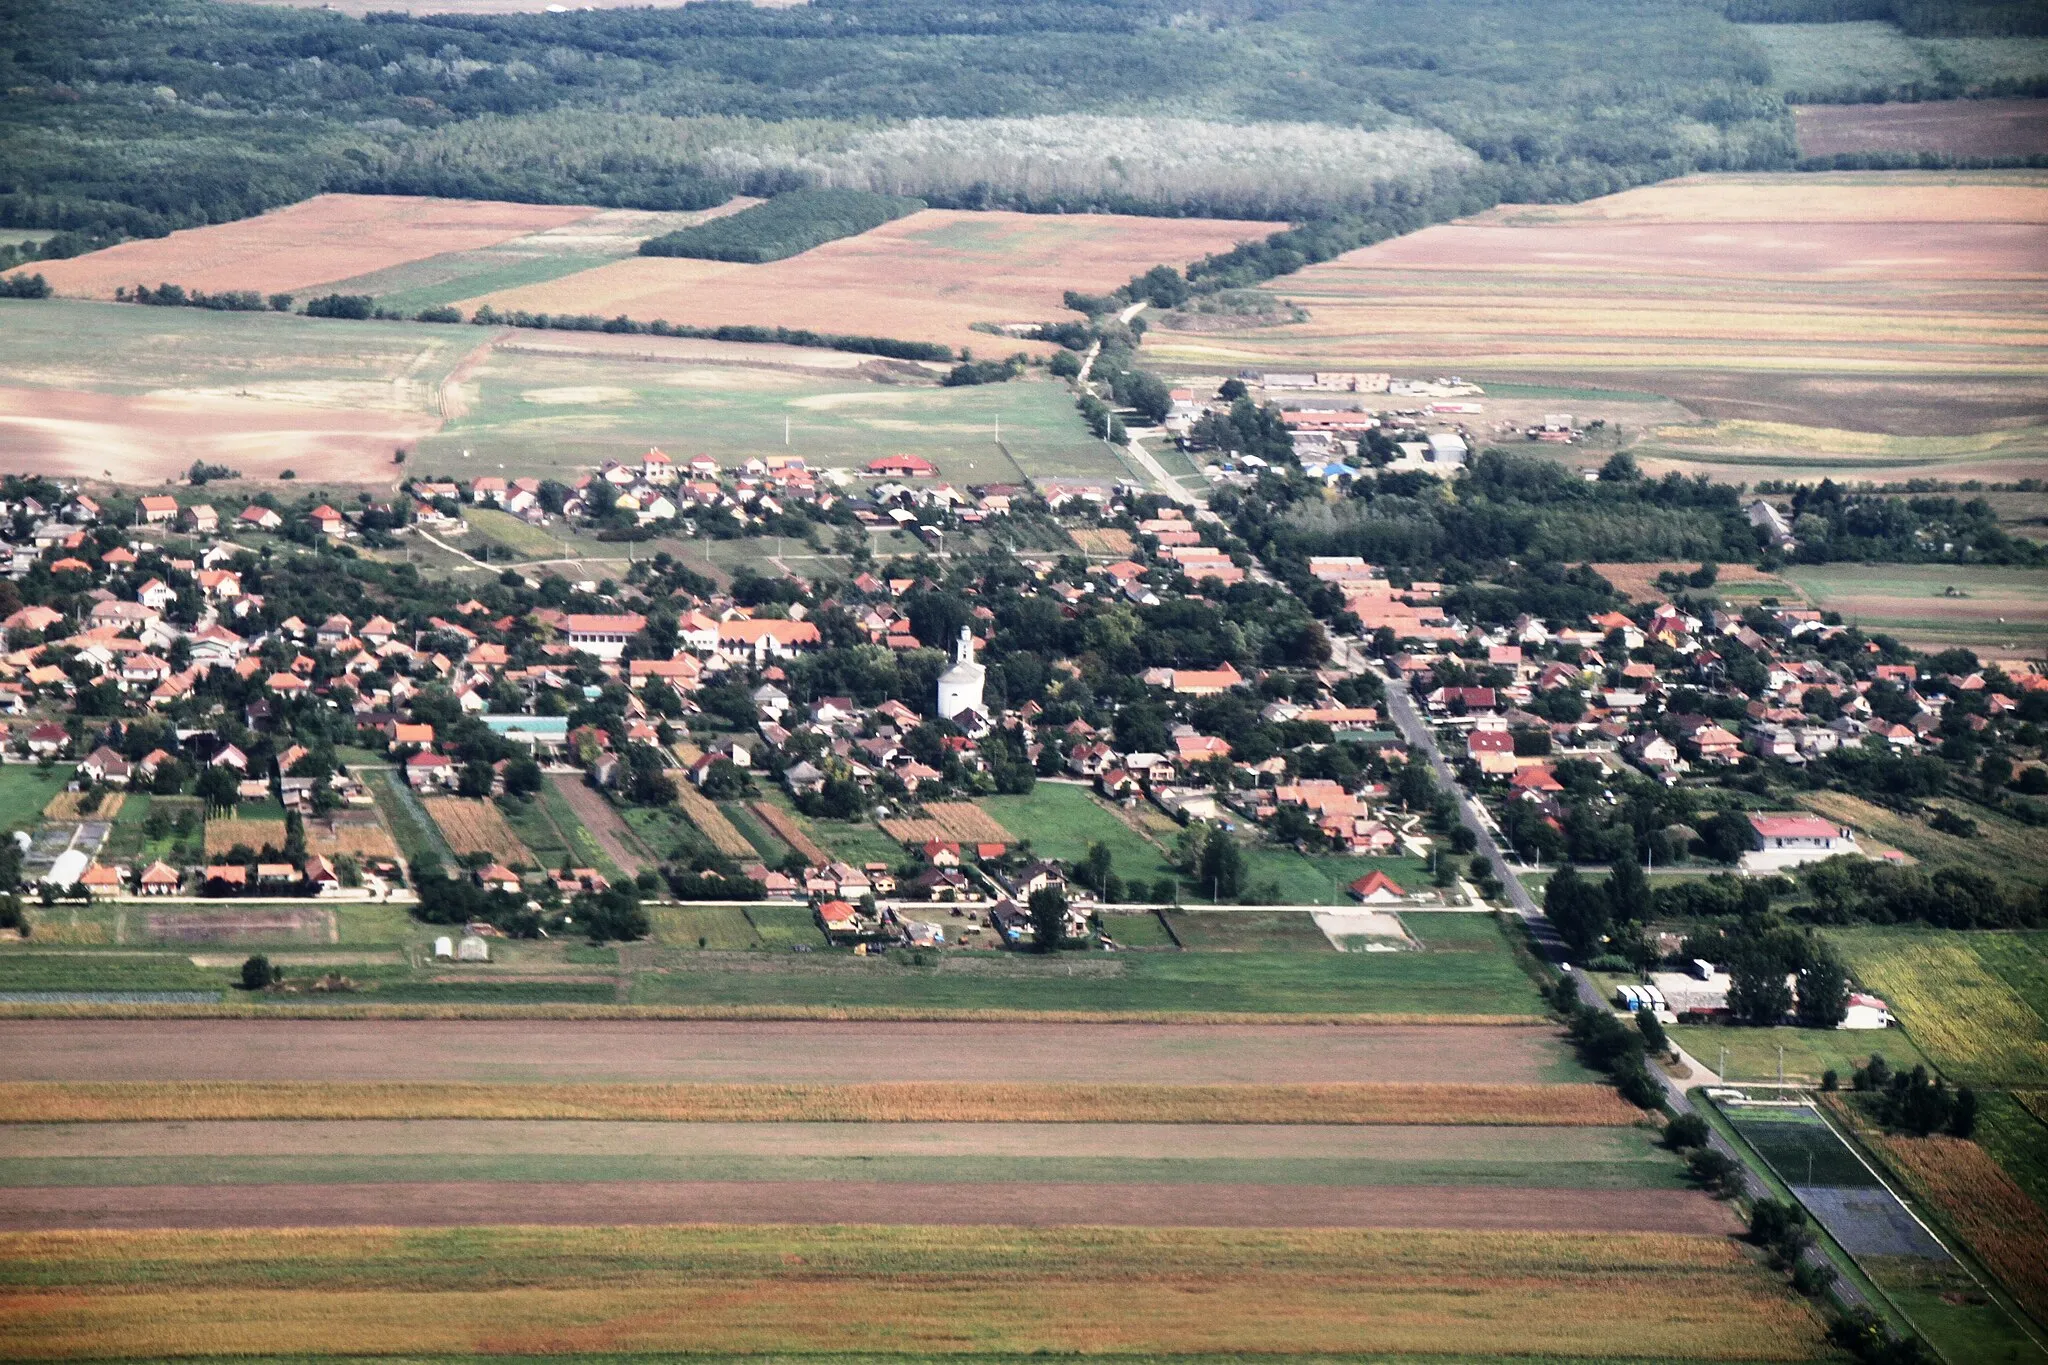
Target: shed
[(444, 948), (472, 949)]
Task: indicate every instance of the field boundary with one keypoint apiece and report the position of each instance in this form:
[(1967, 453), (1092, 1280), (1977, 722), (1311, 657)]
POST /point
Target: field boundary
[(751, 1013), (1347, 1103)]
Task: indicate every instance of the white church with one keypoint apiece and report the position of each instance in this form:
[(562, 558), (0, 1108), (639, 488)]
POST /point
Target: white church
[(960, 686)]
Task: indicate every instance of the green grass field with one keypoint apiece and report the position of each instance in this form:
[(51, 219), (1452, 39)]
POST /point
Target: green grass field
[(1973, 1002), (509, 532), (1252, 982), (1249, 931), (1753, 1052), (538, 414), (2000, 610), (25, 789), (720, 927), (411, 826)]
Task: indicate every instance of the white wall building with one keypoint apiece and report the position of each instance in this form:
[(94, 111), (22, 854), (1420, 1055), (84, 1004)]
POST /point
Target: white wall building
[(960, 686)]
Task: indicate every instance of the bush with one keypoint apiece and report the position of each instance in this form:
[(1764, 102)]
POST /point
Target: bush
[(1715, 1171), (258, 974), (1652, 1030), (1685, 1132), (355, 307)]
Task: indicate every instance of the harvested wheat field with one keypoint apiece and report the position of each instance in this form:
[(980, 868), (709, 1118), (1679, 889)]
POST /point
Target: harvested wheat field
[(222, 835), (359, 833), (927, 277), (962, 822), (1638, 582), (593, 1050), (326, 238), (69, 806), (896, 1290), (712, 824), (1893, 277), (474, 825), (889, 1102)]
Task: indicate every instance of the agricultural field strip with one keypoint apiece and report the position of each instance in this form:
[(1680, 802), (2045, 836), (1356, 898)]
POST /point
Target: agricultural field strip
[(754, 1289), (711, 822), (1993, 1214), (644, 1049), (784, 827), (1957, 1006), (880, 1102), (959, 821), (331, 1151), (474, 825)]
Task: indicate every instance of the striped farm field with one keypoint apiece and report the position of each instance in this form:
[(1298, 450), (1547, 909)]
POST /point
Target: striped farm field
[(711, 822), (2002, 1225), (784, 827), (222, 835), (959, 821), (474, 825), (70, 806), (1971, 1001), (882, 1102), (768, 1289)]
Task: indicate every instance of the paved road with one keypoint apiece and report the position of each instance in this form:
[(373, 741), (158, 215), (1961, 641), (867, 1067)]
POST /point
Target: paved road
[(1416, 731)]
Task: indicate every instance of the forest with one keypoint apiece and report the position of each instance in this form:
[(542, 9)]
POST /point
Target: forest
[(119, 120), (783, 226)]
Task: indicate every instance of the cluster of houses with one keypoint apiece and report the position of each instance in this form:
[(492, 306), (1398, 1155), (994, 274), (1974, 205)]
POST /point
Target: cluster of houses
[(902, 491)]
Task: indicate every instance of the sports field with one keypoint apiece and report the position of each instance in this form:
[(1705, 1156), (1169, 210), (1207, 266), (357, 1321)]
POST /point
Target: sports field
[(1899, 302), (927, 277)]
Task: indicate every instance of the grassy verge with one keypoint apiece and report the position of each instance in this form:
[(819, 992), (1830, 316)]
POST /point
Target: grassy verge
[(890, 1102)]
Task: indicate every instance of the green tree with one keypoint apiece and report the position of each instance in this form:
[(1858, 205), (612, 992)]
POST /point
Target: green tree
[(1823, 988), (1048, 908), (1757, 991), (1222, 869), (1577, 910), (258, 974), (220, 787)]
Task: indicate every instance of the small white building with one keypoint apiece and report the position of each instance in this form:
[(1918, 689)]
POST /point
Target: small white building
[(444, 949), (472, 949), (1866, 1012)]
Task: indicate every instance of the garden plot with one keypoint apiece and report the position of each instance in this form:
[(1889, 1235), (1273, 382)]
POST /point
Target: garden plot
[(1834, 1184), (253, 922)]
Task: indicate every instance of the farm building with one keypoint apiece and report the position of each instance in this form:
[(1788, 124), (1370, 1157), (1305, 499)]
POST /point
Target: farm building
[(1790, 840)]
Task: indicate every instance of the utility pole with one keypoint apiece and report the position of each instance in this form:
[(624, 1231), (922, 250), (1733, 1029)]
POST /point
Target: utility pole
[(1781, 1064)]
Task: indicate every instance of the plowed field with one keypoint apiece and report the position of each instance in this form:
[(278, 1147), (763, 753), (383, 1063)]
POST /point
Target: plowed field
[(927, 277), (326, 238)]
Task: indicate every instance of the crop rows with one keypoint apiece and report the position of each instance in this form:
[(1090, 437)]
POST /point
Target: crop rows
[(879, 1102), (474, 825), (222, 835), (773, 1289), (959, 821), (2002, 1225), (1957, 1008), (362, 838), (786, 829), (711, 822), (66, 806)]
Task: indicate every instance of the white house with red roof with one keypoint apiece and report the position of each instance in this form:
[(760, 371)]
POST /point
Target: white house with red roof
[(1785, 840)]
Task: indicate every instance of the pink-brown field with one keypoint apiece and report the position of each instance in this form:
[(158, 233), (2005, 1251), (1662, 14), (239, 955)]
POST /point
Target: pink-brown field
[(927, 277), (327, 238)]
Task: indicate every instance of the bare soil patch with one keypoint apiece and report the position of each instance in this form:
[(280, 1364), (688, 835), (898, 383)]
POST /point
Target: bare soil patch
[(1958, 127), (462, 1204), (609, 1050), (208, 926), (926, 277), (147, 438), (326, 238)]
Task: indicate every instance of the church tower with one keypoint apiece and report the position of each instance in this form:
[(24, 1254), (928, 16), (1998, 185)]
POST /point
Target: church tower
[(960, 686)]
